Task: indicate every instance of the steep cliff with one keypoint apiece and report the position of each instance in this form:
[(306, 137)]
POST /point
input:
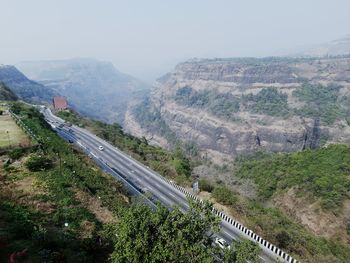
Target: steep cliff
[(230, 107)]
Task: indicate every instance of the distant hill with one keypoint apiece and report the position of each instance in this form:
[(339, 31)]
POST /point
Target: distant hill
[(93, 88), (334, 48), (6, 93), (23, 87), (230, 107)]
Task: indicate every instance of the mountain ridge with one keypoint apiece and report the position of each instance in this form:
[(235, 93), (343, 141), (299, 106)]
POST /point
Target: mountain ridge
[(94, 88), (23, 87)]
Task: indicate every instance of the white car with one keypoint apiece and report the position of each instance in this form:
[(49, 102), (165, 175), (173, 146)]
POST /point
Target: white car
[(221, 243), (100, 148)]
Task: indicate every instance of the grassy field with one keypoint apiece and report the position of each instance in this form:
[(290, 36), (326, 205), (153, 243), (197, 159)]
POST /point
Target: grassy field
[(10, 133)]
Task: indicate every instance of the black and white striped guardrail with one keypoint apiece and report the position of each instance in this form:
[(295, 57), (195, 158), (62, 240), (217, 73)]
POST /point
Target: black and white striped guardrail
[(280, 255), (263, 243)]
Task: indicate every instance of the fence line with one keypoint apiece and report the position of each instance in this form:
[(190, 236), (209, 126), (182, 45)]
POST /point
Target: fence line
[(26, 129)]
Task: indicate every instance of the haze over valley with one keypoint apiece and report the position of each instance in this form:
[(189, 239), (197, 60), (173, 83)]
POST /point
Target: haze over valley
[(162, 132)]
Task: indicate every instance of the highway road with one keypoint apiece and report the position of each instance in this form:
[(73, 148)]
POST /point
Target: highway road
[(139, 178)]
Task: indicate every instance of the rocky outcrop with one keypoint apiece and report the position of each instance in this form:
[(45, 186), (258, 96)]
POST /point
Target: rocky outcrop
[(230, 133)]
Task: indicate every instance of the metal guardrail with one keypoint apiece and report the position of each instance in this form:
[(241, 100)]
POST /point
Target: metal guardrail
[(264, 243), (280, 254)]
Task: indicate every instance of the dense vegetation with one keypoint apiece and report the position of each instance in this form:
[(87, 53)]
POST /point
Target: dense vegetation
[(321, 173), (223, 105), (156, 236), (36, 221), (279, 229), (267, 101), (320, 101), (144, 235), (172, 164)]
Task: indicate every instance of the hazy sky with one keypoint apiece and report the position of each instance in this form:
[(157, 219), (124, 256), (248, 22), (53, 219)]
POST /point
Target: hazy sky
[(147, 38)]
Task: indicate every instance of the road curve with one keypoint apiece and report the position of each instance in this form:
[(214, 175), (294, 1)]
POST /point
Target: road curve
[(147, 180)]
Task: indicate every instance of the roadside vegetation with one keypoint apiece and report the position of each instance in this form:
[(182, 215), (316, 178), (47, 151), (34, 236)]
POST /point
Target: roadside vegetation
[(144, 235), (172, 164), (278, 228), (40, 208), (57, 206), (308, 171), (320, 176)]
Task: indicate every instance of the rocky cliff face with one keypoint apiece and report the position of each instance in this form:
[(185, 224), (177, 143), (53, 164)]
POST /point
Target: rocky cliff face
[(230, 107)]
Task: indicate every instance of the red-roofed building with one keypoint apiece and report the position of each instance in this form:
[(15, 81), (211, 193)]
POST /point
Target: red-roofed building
[(60, 103)]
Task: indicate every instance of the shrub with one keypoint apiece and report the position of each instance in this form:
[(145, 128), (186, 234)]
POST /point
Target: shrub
[(17, 153), (38, 163), (205, 185), (224, 195)]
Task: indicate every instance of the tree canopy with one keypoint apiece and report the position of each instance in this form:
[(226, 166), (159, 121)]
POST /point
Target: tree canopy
[(163, 235)]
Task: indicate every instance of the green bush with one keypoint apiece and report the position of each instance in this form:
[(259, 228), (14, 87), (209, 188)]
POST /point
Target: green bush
[(205, 185), (224, 195), (38, 163), (17, 153)]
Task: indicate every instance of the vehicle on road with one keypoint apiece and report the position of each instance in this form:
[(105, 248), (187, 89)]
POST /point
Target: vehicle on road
[(61, 125), (70, 130), (70, 141), (221, 243), (100, 148)]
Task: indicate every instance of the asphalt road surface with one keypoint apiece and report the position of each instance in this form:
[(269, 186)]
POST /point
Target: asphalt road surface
[(137, 177)]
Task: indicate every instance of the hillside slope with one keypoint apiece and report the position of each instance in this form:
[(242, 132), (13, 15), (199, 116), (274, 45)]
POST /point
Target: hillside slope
[(6, 93), (336, 47), (93, 88), (55, 203), (230, 107), (23, 87)]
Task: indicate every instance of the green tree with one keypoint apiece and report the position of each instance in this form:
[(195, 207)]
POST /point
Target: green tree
[(246, 251), (144, 235)]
